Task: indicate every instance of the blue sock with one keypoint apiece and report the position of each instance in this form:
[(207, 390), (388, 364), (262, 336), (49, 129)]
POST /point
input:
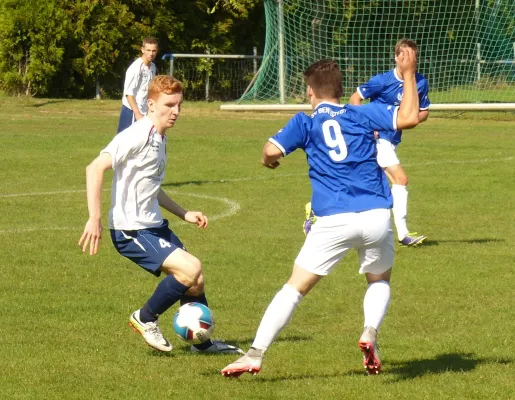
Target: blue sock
[(167, 293), (194, 299)]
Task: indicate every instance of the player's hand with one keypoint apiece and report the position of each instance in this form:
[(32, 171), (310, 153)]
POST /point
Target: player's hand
[(273, 165), (407, 60), (376, 135), (91, 236), (138, 116), (196, 217)]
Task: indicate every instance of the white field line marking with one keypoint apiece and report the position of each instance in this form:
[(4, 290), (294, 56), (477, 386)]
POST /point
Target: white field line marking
[(483, 160), (232, 208)]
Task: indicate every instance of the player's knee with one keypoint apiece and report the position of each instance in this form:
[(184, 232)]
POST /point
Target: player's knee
[(198, 288), (191, 271)]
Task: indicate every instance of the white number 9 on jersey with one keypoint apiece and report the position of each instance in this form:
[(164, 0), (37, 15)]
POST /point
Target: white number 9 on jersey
[(334, 140)]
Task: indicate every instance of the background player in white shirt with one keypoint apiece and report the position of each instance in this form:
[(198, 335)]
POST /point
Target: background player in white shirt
[(387, 88), (138, 230), (135, 88), (351, 198)]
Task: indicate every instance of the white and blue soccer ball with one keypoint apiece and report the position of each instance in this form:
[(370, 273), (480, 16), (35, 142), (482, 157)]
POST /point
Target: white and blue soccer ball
[(194, 323)]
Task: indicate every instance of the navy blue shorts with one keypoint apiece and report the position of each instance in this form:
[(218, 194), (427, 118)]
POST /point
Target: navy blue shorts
[(147, 247), (126, 119)]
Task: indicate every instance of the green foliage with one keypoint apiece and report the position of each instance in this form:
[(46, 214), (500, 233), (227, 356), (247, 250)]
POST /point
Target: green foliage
[(61, 47), (32, 38)]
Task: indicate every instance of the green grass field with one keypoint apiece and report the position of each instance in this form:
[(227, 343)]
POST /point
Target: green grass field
[(450, 330)]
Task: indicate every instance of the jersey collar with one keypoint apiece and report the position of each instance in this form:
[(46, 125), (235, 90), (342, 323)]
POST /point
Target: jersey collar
[(329, 103), (396, 75)]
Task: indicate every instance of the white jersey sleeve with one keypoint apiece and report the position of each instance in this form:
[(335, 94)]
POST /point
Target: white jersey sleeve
[(128, 143)]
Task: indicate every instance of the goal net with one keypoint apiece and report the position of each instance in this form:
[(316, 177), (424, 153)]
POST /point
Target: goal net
[(466, 47)]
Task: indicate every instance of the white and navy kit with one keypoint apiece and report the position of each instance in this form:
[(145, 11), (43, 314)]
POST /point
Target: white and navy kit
[(351, 196), (137, 80), (388, 88), (137, 226)]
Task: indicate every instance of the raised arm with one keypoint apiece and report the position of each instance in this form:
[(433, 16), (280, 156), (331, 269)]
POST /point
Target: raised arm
[(408, 114), (94, 180)]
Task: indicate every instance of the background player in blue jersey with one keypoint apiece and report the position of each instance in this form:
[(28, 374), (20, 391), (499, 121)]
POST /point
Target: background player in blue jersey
[(388, 88), (138, 231), (351, 198)]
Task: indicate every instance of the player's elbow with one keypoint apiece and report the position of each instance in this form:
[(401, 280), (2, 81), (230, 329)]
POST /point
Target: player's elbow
[(355, 99), (407, 122), (271, 151)]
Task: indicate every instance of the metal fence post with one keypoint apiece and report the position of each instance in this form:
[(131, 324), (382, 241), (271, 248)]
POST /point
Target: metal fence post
[(207, 76)]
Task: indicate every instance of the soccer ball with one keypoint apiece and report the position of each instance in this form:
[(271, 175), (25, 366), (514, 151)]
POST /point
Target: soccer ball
[(194, 323)]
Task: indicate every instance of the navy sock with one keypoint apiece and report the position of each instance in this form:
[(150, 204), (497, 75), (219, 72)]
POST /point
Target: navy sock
[(146, 314), (197, 299), (167, 293)]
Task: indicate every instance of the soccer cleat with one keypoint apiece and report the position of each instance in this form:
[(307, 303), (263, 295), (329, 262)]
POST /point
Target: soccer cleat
[(150, 332), (310, 219), (250, 362), (368, 346), (412, 239), (219, 347)]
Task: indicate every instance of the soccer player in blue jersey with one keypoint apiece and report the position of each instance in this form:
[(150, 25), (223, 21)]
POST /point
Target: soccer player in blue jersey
[(351, 198), (388, 88), (138, 231)]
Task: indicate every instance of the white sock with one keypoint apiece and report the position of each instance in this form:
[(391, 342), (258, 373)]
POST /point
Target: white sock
[(277, 316), (375, 303), (400, 209)]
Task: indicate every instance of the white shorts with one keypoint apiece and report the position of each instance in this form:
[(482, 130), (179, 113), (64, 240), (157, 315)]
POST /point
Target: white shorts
[(386, 155), (331, 237)]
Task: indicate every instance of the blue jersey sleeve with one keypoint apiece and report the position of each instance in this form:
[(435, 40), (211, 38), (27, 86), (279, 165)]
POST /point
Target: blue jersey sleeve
[(372, 88), (293, 136), (423, 95), (375, 116)]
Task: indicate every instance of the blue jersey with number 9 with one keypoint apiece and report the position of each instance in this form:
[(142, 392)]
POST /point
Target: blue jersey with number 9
[(341, 152)]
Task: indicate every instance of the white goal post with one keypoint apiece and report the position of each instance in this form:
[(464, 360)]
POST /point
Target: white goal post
[(433, 107)]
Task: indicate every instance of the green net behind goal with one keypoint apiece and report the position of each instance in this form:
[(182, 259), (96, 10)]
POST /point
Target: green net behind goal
[(467, 47)]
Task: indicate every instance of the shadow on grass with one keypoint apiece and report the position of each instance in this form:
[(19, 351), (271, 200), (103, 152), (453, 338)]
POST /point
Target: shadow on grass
[(466, 241), (192, 183), (245, 343), (443, 363), (44, 103)]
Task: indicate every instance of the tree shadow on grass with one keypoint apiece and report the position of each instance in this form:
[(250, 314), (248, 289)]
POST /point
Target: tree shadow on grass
[(466, 241), (44, 103)]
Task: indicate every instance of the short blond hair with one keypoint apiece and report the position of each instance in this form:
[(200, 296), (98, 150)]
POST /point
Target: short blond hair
[(164, 84), (405, 42)]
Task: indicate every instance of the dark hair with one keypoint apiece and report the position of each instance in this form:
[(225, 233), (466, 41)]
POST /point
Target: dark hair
[(149, 40), (404, 42), (325, 78)]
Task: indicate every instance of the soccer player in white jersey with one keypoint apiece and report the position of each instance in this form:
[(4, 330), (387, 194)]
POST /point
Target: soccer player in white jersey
[(351, 198), (387, 88), (138, 230), (135, 88)]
